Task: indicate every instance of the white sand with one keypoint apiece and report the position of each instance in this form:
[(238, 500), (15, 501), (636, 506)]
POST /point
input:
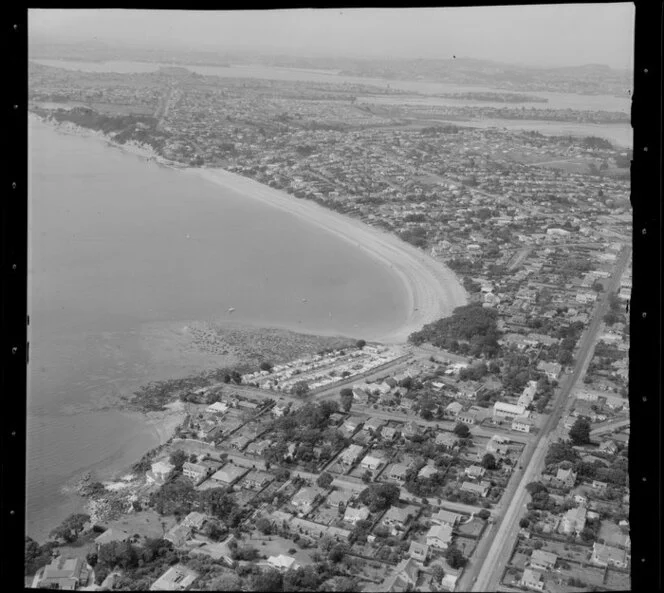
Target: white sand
[(433, 289)]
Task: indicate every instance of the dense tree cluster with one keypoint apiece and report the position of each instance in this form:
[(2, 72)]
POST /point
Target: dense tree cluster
[(379, 497), (70, 528), (37, 556), (471, 325), (580, 431)]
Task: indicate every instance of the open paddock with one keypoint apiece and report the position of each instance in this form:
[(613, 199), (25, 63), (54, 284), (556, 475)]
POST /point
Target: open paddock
[(618, 581)]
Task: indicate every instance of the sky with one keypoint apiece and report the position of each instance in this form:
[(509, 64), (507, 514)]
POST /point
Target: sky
[(540, 35)]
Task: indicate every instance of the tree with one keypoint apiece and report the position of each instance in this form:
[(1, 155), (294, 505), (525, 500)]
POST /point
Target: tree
[(264, 526), (225, 582), (360, 344), (300, 389), (379, 497), (69, 529), (117, 554), (489, 461), (455, 558), (337, 553), (484, 514), (215, 530), (266, 366), (267, 580), (462, 430), (524, 523), (580, 431), (178, 458), (325, 480), (438, 573), (346, 401), (536, 487)]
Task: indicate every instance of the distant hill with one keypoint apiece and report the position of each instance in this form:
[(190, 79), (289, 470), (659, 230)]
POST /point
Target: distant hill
[(585, 79)]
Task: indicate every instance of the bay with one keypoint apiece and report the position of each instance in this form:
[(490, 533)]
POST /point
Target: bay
[(117, 243)]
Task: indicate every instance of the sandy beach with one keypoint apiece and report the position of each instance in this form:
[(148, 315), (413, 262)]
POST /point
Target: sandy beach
[(433, 289)]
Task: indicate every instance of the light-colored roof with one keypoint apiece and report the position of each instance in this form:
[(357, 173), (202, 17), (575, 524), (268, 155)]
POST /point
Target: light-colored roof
[(229, 473), (112, 535), (176, 578), (281, 561)]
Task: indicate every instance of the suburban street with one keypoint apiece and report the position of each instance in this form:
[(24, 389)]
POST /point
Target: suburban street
[(489, 572)]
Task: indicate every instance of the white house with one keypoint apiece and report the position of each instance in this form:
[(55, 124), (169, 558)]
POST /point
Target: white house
[(505, 410)]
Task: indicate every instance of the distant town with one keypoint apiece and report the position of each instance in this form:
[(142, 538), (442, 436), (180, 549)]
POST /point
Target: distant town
[(487, 453)]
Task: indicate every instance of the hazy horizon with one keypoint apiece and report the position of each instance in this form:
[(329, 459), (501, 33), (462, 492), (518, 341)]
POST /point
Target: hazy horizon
[(545, 36)]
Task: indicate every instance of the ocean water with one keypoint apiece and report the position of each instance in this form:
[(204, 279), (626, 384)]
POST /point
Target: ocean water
[(117, 242)]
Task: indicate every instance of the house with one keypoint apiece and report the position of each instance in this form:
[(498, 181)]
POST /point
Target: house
[(353, 515), (388, 433), (256, 480), (468, 417), (439, 536), (598, 485), (352, 424), (217, 408), (228, 474), (336, 419), (505, 410), (179, 534), (453, 409), (498, 445), (543, 560), (195, 520), (396, 517), (63, 573), (482, 488), (196, 472), (112, 535), (550, 369), (411, 429), (522, 424), (528, 395), (604, 555), (259, 448), (159, 471), (398, 472), (443, 517), (403, 579), (449, 582), (280, 409), (371, 463), (532, 579), (419, 552), (427, 471), (351, 455), (574, 520), (373, 424), (240, 441), (304, 499), (282, 562), (608, 446), (448, 439), (475, 471), (567, 477)]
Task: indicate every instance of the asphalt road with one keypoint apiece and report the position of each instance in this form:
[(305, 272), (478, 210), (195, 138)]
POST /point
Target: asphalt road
[(502, 544)]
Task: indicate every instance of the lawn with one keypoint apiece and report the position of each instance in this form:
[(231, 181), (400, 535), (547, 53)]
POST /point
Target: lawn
[(146, 524), (618, 581), (273, 545), (472, 529)]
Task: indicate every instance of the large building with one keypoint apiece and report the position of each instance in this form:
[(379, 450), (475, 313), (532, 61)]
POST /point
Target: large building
[(505, 410)]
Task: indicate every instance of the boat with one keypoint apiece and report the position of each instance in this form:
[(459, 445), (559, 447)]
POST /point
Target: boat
[(231, 309), (304, 300)]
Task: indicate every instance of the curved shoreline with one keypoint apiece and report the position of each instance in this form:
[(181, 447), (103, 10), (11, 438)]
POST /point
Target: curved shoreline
[(433, 290)]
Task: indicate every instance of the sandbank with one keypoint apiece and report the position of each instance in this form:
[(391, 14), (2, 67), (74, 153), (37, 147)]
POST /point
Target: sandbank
[(434, 291)]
